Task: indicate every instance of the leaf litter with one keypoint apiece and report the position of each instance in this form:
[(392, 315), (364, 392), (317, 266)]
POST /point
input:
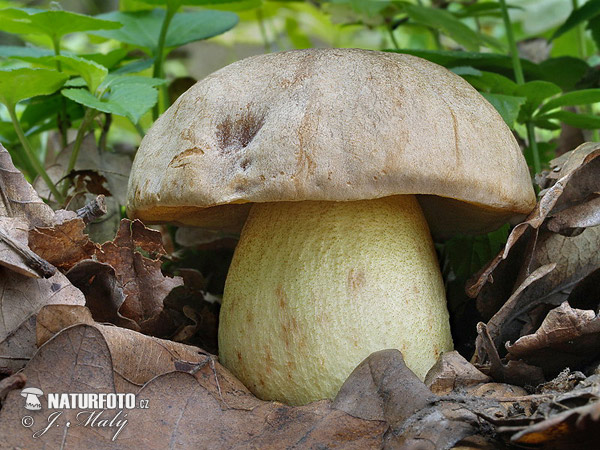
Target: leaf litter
[(533, 380)]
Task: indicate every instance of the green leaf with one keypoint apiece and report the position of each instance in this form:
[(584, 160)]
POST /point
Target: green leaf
[(587, 121), (535, 92), (581, 97), (134, 99), (108, 60), (507, 105), (19, 84), (10, 51), (135, 66), (142, 28), (42, 111), (552, 70), (86, 98), (52, 23), (113, 81), (466, 70), (127, 100), (586, 12), (92, 73), (443, 20), (492, 82), (594, 26)]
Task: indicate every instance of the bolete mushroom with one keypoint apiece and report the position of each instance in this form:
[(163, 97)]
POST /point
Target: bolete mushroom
[(334, 161)]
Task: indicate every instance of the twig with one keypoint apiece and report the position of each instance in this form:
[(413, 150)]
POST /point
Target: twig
[(93, 210), (41, 266)]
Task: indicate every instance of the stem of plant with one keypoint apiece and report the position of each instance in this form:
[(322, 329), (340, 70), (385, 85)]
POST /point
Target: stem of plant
[(159, 57), (393, 38), (62, 114), (520, 79), (88, 118), (33, 160), (263, 30)]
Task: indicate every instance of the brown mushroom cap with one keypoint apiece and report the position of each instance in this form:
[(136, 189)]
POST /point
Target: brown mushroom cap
[(330, 124)]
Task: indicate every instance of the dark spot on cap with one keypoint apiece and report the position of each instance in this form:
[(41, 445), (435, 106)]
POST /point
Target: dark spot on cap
[(55, 287), (236, 133)]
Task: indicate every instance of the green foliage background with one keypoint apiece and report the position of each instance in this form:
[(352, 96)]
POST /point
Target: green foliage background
[(111, 68)]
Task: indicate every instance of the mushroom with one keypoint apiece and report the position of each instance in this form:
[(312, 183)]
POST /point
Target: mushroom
[(32, 402), (334, 161)]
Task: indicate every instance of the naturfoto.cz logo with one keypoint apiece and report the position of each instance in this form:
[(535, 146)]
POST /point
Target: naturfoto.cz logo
[(101, 410)]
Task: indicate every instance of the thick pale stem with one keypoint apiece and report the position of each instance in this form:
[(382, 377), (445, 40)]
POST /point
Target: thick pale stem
[(315, 287)]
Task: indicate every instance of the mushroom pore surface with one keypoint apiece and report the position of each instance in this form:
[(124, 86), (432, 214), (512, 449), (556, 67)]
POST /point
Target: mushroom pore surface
[(315, 287)]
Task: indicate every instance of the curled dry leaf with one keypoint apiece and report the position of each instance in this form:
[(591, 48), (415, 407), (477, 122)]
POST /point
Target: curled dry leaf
[(121, 284), (567, 336), (546, 257)]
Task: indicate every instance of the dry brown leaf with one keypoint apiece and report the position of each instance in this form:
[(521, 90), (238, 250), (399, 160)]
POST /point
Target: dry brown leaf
[(64, 244), (452, 372), (21, 298), (546, 258), (185, 410), (13, 230), (125, 287), (18, 198), (567, 337), (577, 428)]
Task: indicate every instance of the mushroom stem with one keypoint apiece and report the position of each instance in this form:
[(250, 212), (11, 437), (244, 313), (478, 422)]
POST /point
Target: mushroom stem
[(315, 287)]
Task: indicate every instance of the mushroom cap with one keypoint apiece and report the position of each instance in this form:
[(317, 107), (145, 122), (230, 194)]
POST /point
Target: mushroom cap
[(333, 125)]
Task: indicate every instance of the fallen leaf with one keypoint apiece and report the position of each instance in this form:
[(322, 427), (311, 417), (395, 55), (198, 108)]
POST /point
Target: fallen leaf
[(180, 404), (567, 337), (452, 372), (17, 196), (124, 286), (574, 429), (63, 245), (21, 298)]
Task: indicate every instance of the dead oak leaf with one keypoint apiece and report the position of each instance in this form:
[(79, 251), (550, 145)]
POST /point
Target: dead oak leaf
[(21, 298), (567, 337), (184, 411)]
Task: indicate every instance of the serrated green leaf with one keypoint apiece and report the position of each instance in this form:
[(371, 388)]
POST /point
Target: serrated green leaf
[(586, 12), (581, 97), (507, 105), (594, 26), (127, 100), (20, 84), (443, 20), (135, 99), (545, 124), (52, 23), (92, 73), (86, 98), (113, 80), (142, 28)]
